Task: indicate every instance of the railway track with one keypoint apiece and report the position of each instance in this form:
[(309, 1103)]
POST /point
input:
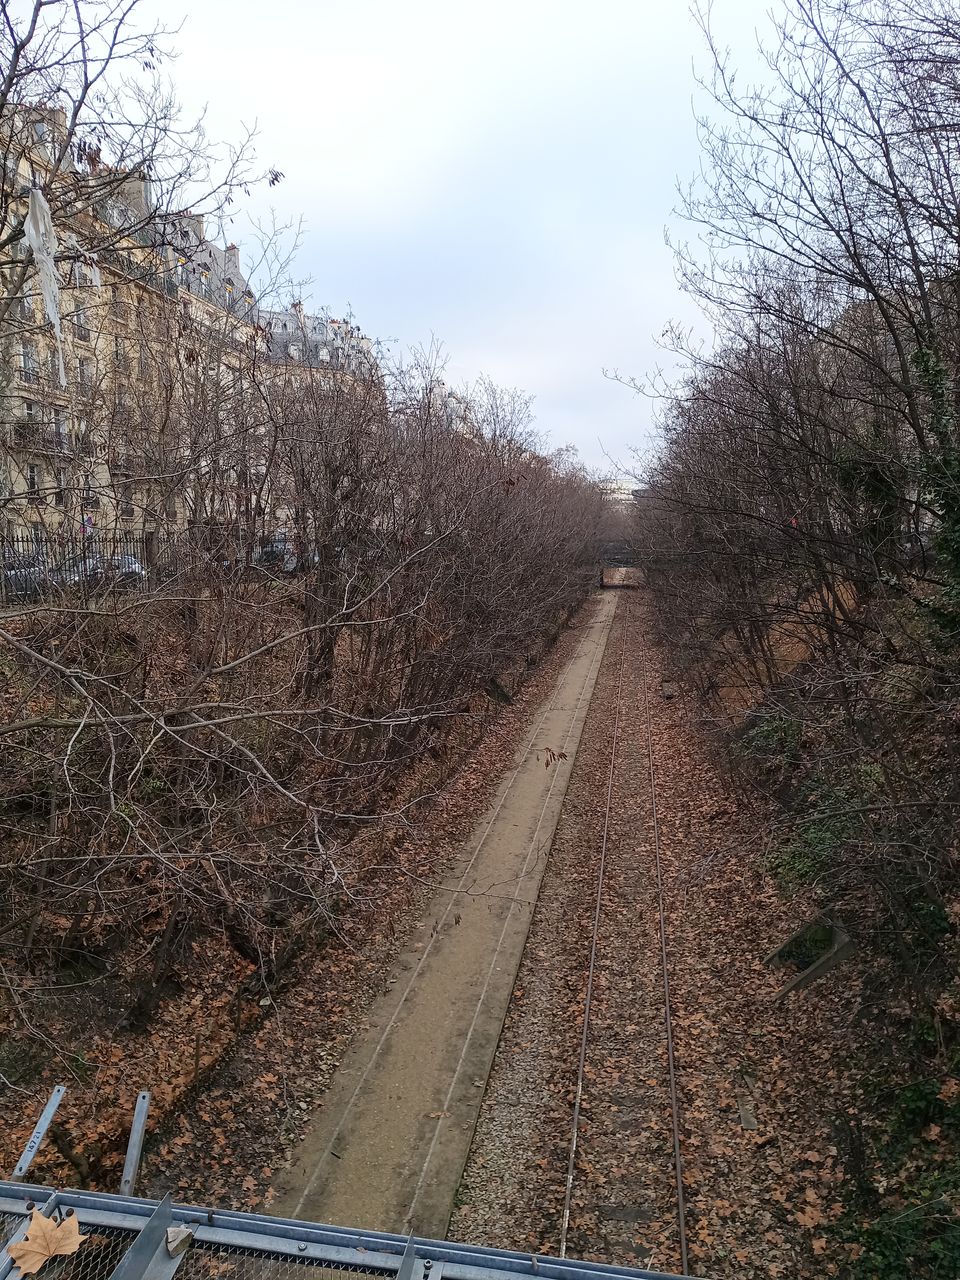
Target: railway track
[(613, 781), (642, 1109)]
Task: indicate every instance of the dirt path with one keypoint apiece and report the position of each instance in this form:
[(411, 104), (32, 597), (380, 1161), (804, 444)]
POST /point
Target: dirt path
[(387, 1150)]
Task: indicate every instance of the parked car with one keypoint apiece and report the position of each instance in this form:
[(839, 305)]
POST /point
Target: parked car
[(278, 555), (23, 576), (94, 571)]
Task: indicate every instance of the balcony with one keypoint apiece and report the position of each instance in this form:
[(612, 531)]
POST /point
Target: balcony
[(39, 435), (145, 270), (30, 375)]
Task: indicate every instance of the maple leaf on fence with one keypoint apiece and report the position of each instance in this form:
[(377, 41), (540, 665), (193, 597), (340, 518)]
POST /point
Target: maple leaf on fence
[(45, 1239)]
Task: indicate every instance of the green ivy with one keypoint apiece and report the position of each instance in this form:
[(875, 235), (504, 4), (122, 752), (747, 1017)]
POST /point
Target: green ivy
[(916, 1174), (809, 851), (772, 737)]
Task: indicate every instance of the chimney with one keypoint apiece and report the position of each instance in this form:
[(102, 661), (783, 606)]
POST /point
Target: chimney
[(191, 227), (232, 256)]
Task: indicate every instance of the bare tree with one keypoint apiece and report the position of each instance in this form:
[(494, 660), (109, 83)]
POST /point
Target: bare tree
[(803, 504)]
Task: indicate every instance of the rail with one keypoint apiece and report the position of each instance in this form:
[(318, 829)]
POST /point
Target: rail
[(591, 970), (664, 961)]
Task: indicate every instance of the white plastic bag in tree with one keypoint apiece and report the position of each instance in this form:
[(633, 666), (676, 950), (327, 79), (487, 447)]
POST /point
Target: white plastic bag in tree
[(40, 236)]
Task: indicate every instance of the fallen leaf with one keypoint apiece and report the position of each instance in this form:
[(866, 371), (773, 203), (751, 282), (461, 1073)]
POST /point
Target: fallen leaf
[(45, 1239), (810, 1217)]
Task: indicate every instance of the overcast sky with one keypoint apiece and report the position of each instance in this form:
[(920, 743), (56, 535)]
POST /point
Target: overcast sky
[(495, 174)]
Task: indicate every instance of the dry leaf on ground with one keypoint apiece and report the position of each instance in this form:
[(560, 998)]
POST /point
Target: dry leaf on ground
[(45, 1239)]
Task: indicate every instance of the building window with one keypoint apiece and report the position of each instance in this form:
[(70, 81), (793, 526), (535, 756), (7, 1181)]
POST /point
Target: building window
[(31, 411), (61, 429), (90, 497), (41, 131), (125, 504), (85, 373), (33, 482), (60, 492), (83, 439), (81, 329), (29, 364)]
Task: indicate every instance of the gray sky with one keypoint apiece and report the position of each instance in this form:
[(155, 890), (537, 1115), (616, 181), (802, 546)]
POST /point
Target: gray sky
[(496, 175)]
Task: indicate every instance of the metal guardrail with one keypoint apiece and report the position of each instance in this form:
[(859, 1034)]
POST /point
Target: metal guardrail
[(135, 1239), (38, 1134), (131, 1238)]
